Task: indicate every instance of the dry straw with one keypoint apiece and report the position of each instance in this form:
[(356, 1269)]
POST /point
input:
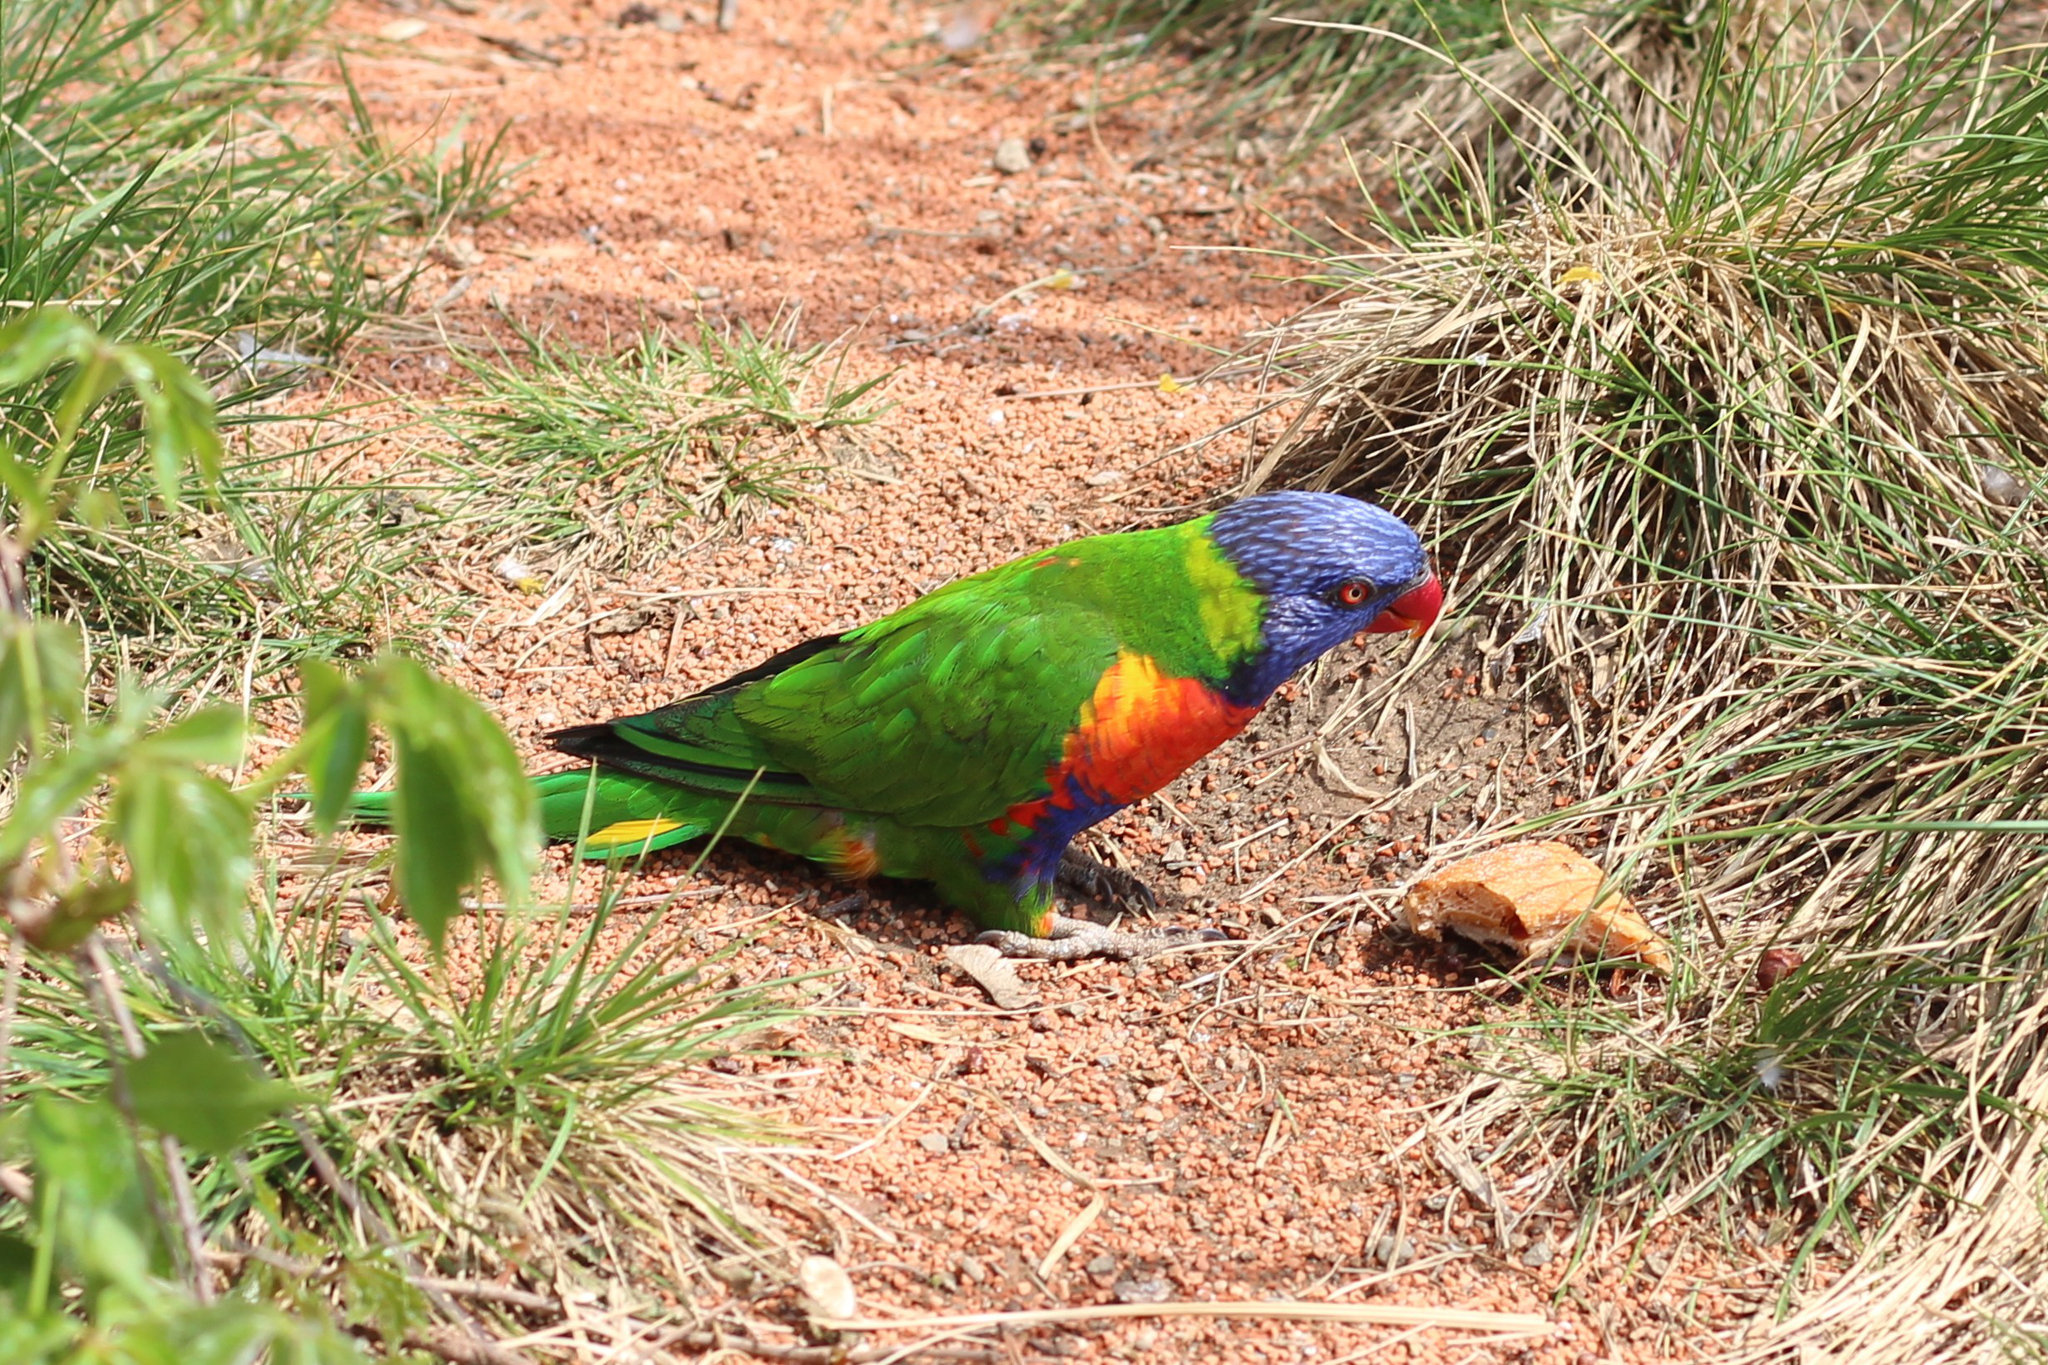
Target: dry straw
[(1718, 379), (1603, 100)]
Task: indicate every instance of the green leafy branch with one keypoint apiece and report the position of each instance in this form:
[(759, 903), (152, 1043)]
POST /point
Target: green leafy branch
[(172, 852), (177, 412)]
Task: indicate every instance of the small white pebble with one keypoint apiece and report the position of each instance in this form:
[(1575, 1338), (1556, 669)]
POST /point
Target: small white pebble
[(962, 31), (827, 1285), (1013, 156)]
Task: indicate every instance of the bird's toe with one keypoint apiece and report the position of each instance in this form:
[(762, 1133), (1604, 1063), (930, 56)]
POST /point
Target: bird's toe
[(1071, 940)]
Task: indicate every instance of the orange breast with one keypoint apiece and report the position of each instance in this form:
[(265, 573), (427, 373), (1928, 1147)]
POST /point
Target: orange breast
[(1139, 731), (1143, 728)]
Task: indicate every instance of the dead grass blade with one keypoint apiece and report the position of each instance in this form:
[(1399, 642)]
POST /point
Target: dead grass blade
[(1505, 1325)]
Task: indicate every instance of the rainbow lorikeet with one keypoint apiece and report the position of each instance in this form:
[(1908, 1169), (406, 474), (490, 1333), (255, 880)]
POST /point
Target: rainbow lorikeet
[(966, 739)]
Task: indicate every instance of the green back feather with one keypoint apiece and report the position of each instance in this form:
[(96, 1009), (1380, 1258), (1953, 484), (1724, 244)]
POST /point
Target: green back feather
[(950, 711)]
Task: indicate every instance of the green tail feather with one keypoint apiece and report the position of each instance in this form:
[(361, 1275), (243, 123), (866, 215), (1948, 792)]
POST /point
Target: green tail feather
[(364, 808), (628, 815)]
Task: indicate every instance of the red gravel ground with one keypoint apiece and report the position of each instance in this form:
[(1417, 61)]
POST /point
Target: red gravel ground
[(1225, 1124)]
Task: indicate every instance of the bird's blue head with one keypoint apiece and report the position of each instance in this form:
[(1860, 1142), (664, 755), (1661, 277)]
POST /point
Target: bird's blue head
[(1329, 567)]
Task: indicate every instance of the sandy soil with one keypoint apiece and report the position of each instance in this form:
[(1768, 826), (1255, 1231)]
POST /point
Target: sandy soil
[(1230, 1124)]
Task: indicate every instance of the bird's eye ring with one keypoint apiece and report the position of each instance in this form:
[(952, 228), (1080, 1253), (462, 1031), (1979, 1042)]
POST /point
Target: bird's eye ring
[(1352, 592)]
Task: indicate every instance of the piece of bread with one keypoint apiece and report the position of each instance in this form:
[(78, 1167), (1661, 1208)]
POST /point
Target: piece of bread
[(1533, 899)]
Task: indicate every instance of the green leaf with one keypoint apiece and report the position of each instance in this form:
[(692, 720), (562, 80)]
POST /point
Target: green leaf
[(190, 425), (202, 1093), (47, 792), (99, 509), (187, 839), (213, 735), (35, 343), (31, 503), (54, 784), (380, 1293), (40, 1338), (178, 415), (322, 687), (462, 804), (180, 424), (335, 746), (84, 1159), (98, 375), (17, 1262), (336, 740), (42, 678), (439, 851)]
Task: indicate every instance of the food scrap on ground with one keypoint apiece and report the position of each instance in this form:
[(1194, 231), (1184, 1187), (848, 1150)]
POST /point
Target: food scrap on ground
[(1535, 900)]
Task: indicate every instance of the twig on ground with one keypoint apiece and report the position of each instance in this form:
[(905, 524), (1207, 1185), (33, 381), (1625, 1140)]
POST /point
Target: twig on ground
[(650, 599), (522, 50), (457, 1347), (1409, 772), (237, 1251), (888, 1125), (115, 1001), (1361, 1314), (10, 991), (1228, 372), (1052, 1158), (698, 1339), (1298, 859)]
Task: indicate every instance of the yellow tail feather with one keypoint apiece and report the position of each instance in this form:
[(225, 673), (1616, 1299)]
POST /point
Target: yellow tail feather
[(629, 832)]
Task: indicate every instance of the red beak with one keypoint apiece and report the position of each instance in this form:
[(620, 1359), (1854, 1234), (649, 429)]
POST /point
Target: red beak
[(1413, 611)]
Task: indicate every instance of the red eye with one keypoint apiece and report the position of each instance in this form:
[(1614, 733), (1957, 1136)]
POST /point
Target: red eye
[(1353, 593)]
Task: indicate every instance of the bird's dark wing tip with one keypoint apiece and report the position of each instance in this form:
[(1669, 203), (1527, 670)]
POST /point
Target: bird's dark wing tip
[(586, 741), (610, 743)]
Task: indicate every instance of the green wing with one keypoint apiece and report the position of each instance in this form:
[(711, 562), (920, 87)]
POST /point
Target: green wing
[(948, 712)]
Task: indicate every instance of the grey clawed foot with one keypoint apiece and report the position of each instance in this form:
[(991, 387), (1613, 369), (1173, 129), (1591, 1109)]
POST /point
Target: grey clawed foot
[(1074, 939), (1081, 875), (844, 906)]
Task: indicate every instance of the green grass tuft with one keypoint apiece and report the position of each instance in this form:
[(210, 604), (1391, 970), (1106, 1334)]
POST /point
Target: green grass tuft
[(573, 446), (545, 1114), (154, 186), (458, 177)]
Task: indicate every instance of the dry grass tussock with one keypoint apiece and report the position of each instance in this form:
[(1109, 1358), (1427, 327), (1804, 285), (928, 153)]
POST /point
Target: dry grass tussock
[(1704, 435), (1609, 96), (1742, 442)]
